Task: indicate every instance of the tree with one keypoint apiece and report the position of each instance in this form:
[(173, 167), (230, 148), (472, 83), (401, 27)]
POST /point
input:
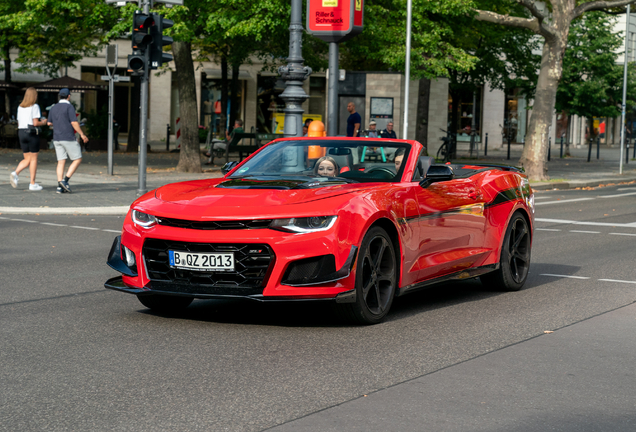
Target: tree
[(592, 83), (382, 45), (50, 34), (554, 26)]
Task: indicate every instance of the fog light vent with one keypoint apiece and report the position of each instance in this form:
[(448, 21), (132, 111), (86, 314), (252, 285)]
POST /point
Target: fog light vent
[(310, 270)]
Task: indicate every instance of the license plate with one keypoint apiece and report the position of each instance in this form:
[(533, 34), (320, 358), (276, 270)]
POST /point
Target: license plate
[(202, 261)]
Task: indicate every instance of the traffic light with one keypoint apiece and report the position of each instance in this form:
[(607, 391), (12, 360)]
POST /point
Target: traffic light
[(157, 56), (141, 42)]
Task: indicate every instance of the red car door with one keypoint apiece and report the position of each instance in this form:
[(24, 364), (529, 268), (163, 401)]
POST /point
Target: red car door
[(451, 227)]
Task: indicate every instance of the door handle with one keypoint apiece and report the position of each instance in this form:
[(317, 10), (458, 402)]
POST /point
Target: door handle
[(472, 194)]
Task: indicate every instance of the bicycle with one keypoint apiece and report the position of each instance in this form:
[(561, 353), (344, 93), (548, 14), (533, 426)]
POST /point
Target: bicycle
[(448, 148)]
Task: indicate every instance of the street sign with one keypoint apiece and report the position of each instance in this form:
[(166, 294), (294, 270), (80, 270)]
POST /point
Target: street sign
[(116, 78), (335, 20)]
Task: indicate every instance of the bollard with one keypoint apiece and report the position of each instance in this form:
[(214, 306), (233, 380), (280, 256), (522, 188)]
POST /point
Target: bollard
[(549, 148), (508, 158), (168, 137), (634, 156), (561, 154), (486, 146), (589, 150), (627, 152), (598, 147)]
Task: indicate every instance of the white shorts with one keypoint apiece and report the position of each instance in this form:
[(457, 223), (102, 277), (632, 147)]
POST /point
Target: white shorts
[(64, 149)]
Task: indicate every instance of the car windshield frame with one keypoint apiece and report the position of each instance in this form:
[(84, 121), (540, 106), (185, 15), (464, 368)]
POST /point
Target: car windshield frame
[(370, 160)]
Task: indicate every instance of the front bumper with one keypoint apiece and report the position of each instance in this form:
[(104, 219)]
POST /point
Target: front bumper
[(338, 284)]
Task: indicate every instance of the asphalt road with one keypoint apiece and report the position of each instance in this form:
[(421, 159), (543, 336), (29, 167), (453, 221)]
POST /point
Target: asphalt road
[(75, 356)]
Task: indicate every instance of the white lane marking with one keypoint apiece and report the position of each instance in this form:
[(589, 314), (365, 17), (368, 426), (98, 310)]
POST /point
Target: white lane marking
[(62, 225), (564, 221), (118, 232), (546, 229), (5, 218), (564, 201), (81, 227), (624, 234), (586, 232), (619, 189), (52, 224), (23, 220), (617, 196), (616, 280), (540, 198), (564, 276)]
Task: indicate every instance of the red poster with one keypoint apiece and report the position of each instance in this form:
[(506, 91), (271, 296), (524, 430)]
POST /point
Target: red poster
[(329, 16), (334, 20)]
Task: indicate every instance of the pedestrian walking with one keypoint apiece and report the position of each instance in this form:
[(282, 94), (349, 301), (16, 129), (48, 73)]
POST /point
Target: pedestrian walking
[(64, 121), (29, 136), (353, 121)]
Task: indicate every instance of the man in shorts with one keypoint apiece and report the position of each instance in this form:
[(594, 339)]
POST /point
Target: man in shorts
[(64, 121)]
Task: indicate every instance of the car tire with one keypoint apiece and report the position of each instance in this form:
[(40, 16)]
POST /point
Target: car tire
[(376, 279), (514, 261), (164, 303)]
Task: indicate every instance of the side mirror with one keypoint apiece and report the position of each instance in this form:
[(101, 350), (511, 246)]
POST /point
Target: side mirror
[(437, 173), (228, 167)]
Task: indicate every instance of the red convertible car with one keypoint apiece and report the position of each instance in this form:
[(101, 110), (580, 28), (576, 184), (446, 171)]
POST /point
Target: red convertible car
[(357, 221)]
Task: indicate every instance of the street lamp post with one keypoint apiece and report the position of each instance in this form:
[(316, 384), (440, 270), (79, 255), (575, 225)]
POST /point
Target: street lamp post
[(294, 73), (623, 106)]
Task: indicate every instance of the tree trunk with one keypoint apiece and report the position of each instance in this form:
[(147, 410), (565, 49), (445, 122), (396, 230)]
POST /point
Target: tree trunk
[(189, 157), (7, 78), (234, 100), (535, 151), (421, 122), (132, 145)]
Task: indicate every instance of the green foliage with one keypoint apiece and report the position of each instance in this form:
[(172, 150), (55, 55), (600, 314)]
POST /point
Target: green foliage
[(592, 83), (51, 34), (382, 44)]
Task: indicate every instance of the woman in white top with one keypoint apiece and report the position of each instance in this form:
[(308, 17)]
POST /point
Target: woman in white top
[(28, 118)]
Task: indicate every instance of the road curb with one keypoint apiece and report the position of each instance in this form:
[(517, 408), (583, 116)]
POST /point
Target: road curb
[(104, 211), (573, 184)]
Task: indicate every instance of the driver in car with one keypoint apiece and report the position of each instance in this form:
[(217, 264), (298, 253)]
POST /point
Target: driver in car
[(399, 156), (326, 167)]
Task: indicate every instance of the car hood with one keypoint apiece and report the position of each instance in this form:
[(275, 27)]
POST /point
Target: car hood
[(219, 198)]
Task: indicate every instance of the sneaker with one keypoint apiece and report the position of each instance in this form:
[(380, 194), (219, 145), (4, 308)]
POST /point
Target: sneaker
[(60, 190), (35, 187), (13, 178), (64, 184)]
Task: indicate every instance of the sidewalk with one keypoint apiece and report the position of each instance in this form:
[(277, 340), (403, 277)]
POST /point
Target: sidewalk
[(95, 192)]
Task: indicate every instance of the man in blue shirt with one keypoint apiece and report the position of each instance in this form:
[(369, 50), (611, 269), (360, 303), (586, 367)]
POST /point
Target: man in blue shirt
[(388, 132), (354, 121), (64, 121)]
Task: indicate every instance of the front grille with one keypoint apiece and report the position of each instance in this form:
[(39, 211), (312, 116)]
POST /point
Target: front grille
[(252, 265), (215, 225)]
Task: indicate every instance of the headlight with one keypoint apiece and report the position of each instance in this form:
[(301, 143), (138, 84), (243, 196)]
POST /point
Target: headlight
[(304, 225), (144, 220)]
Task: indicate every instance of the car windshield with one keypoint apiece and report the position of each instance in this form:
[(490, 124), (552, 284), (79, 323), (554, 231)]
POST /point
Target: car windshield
[(328, 161)]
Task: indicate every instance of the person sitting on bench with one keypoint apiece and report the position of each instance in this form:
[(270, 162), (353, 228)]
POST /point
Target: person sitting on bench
[(221, 147)]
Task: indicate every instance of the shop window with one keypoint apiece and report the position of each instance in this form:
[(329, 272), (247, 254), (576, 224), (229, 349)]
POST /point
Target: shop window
[(211, 102), (269, 102), (460, 114), (515, 118)]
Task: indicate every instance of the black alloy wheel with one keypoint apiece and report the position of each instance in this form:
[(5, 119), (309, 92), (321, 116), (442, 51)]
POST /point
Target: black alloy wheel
[(164, 303), (515, 257), (376, 279)]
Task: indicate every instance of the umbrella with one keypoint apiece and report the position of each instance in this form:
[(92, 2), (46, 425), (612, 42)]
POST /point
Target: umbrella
[(72, 84)]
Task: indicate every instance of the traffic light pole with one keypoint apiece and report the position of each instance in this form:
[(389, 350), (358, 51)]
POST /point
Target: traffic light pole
[(143, 113)]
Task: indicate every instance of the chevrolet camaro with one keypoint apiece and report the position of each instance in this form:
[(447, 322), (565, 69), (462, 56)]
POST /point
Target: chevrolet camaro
[(352, 220)]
